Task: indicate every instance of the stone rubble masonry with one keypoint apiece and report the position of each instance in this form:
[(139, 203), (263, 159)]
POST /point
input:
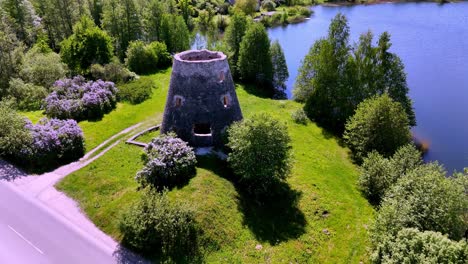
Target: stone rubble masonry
[(201, 101)]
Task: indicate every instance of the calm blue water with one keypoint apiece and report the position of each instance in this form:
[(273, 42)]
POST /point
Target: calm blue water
[(432, 41)]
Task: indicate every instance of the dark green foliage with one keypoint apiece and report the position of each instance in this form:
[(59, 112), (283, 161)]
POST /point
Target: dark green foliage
[(378, 174), (260, 153), (280, 68), (137, 92), (413, 246), (379, 124), (13, 134), (299, 116), (254, 56), (21, 14), (154, 225), (174, 33), (88, 45), (334, 78), (233, 37), (424, 199), (11, 55), (164, 57), (26, 96), (152, 17), (121, 18)]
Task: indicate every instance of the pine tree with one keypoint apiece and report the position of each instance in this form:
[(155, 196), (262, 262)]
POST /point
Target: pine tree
[(233, 37)]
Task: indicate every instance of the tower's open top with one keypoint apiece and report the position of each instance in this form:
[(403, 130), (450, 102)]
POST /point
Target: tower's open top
[(199, 56)]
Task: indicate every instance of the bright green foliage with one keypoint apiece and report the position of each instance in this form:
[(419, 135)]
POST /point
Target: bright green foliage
[(247, 6), (155, 226), (379, 124), (299, 116), (11, 55), (254, 56), (114, 71), (413, 246), (260, 152), (140, 59), (137, 92), (378, 173), (42, 69), (186, 10), (424, 199), (334, 78), (88, 45), (13, 134), (146, 58), (123, 22), (174, 33), (26, 96), (280, 68), (233, 37)]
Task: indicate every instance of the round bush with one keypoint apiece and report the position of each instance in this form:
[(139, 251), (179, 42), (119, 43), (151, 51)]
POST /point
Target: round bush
[(13, 133), (54, 142), (413, 246), (138, 91), (424, 199), (260, 152), (77, 99), (268, 5), (379, 173), (27, 96), (155, 225), (379, 124), (169, 161), (299, 116)]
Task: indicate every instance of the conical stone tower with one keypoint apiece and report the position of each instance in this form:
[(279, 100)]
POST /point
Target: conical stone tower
[(202, 101)]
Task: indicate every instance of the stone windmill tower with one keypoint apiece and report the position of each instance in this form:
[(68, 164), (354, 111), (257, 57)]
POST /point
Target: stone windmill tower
[(202, 101)]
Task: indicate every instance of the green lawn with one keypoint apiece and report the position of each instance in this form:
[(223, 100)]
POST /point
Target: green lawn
[(322, 220)]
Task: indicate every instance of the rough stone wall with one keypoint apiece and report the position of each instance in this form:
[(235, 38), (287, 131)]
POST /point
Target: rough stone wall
[(201, 93)]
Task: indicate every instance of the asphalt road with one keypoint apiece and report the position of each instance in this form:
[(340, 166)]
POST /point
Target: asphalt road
[(30, 233)]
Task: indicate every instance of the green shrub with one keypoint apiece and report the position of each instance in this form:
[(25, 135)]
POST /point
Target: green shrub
[(156, 226), (299, 116), (42, 69), (113, 71), (137, 91), (27, 96), (260, 152), (13, 133), (413, 246), (140, 59), (424, 199), (378, 124), (144, 59), (268, 5), (88, 44), (169, 161), (378, 173)]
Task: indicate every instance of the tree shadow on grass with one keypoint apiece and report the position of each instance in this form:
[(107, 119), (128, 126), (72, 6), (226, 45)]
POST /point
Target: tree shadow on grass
[(272, 219), (257, 90)]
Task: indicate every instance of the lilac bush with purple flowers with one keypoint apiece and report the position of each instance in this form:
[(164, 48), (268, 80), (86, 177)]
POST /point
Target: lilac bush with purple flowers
[(169, 161), (53, 142), (78, 99)]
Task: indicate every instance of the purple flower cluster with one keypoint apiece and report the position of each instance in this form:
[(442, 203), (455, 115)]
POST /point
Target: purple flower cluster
[(169, 161), (54, 142), (77, 99)]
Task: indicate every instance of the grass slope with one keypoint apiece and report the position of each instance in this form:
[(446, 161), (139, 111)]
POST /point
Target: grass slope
[(322, 220)]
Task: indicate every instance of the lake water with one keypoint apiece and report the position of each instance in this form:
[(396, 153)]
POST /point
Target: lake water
[(432, 41)]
